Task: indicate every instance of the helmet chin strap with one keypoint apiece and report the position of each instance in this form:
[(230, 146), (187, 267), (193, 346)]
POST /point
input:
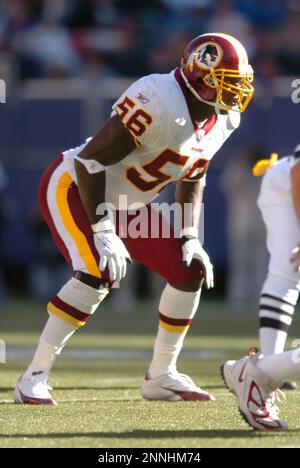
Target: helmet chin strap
[(218, 107)]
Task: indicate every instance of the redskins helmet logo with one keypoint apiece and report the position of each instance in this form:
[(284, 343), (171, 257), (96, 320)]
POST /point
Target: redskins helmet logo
[(208, 55)]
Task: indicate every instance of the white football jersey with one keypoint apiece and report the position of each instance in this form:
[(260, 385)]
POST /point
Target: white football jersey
[(170, 146), (277, 181)]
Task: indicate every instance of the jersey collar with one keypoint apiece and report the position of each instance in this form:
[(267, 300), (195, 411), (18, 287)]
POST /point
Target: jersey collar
[(209, 124)]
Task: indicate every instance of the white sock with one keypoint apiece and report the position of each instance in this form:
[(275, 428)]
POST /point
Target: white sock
[(272, 341), (53, 338), (281, 366), (177, 308), (166, 350), (276, 308)]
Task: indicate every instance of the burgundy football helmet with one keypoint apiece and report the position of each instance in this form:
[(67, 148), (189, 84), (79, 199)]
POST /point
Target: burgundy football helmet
[(215, 69)]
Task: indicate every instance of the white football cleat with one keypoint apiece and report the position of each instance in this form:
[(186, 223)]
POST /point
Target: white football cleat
[(173, 386), (256, 393), (33, 390)]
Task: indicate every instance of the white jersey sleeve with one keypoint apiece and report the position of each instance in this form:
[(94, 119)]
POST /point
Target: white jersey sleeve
[(276, 186), (145, 112)]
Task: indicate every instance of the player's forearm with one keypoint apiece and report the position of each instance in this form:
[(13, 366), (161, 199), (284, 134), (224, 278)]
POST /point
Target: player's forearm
[(110, 145), (91, 190), (189, 195), (295, 184)]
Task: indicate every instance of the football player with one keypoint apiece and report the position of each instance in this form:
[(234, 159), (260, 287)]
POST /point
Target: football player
[(255, 379), (164, 128), (279, 203)]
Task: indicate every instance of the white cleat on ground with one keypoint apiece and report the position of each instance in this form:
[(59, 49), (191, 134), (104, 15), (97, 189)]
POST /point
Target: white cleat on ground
[(256, 393), (173, 386), (33, 390)]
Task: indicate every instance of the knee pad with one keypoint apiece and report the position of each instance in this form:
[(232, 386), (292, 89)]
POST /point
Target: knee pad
[(178, 304), (77, 301)]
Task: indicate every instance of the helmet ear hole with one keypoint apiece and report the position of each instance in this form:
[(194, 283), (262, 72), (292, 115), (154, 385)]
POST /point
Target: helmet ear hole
[(204, 91)]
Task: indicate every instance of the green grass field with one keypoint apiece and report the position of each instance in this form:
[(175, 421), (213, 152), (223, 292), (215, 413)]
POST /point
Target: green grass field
[(97, 384)]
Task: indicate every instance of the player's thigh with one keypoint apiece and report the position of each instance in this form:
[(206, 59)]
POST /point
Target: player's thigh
[(160, 250), (283, 234), (62, 210)]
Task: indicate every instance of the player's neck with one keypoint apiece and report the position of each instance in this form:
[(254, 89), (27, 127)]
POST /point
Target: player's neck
[(199, 110)]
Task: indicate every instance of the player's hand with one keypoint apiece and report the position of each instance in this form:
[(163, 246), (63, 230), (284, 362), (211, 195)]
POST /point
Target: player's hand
[(192, 250), (295, 258), (113, 254)]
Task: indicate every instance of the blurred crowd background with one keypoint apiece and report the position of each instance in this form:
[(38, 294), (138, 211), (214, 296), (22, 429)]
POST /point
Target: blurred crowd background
[(64, 63), (84, 38)]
